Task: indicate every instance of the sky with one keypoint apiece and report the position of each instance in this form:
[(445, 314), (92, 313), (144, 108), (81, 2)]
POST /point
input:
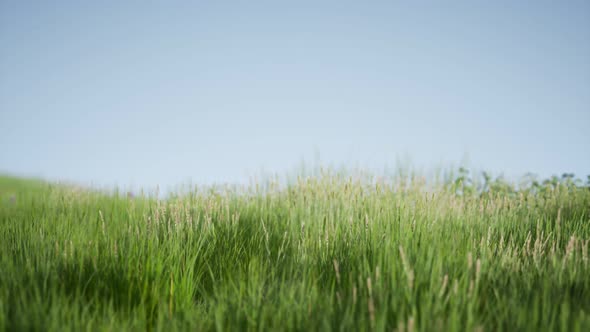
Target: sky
[(139, 93)]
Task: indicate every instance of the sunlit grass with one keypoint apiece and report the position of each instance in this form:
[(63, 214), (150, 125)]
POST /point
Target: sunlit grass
[(329, 252)]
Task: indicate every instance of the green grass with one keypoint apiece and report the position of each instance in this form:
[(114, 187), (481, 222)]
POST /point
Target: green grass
[(324, 253)]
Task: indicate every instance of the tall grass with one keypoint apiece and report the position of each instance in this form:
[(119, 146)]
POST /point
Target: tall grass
[(323, 253)]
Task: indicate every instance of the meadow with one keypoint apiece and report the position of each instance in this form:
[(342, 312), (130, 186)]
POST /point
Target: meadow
[(332, 251)]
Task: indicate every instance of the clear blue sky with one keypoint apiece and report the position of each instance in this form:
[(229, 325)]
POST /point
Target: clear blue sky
[(138, 92)]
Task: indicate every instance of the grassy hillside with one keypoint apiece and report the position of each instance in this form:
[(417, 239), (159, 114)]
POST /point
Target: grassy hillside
[(325, 253)]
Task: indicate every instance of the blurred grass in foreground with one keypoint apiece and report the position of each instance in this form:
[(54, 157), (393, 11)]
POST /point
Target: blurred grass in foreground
[(329, 252)]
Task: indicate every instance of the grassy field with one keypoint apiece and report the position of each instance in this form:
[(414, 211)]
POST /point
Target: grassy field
[(329, 252)]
